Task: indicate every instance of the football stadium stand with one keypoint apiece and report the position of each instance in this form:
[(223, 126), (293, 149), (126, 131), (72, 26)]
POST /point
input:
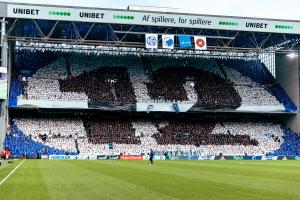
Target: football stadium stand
[(77, 84), (205, 83)]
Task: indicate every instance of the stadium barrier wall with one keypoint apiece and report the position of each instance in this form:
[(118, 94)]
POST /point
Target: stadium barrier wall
[(155, 157), (111, 157), (162, 107), (131, 157), (185, 107), (52, 104), (262, 108), (113, 106), (146, 157), (72, 157), (139, 107)]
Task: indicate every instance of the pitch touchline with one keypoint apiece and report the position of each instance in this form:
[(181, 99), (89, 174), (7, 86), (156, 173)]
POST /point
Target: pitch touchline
[(11, 173)]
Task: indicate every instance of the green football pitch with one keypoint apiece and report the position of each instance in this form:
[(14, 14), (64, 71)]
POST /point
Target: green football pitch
[(101, 180)]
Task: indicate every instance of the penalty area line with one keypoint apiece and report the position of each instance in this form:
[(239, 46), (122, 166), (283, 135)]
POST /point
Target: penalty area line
[(11, 173)]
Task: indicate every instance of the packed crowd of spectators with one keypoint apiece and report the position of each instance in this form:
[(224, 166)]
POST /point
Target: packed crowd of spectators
[(208, 83), (282, 97), (52, 132), (107, 131), (70, 136), (44, 84), (199, 133), (94, 84), (213, 91), (139, 78), (92, 78), (251, 93), (290, 145), (22, 145), (52, 127)]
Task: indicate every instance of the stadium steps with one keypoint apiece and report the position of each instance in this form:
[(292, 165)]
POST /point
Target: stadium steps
[(113, 91), (222, 70), (76, 145)]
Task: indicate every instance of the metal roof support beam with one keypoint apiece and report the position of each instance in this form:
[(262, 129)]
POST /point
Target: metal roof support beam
[(113, 33), (76, 31), (52, 30), (88, 32), (295, 43), (12, 27), (231, 41), (221, 39), (254, 41), (287, 42), (265, 40), (38, 28), (126, 33), (125, 44)]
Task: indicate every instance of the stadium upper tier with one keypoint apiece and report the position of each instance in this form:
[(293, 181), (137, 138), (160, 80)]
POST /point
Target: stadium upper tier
[(151, 83), (91, 136)]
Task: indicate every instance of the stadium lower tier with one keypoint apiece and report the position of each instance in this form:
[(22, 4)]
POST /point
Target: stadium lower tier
[(32, 137), (81, 81)]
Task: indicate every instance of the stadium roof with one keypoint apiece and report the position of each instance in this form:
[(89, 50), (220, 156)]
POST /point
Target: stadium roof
[(124, 28)]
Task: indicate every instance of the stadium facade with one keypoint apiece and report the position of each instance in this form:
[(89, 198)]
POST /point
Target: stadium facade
[(250, 69)]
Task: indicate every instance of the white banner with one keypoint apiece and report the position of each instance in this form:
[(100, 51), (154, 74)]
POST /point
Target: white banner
[(3, 70), (167, 41), (151, 41), (101, 15), (200, 43), (72, 157)]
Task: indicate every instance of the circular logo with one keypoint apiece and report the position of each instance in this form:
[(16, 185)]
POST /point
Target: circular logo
[(151, 41), (200, 42), (168, 41)]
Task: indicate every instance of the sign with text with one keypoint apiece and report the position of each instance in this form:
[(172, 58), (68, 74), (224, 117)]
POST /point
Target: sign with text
[(131, 157), (184, 41), (151, 18)]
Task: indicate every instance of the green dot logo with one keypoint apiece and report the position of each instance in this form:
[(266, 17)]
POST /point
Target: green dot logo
[(61, 13), (123, 17)]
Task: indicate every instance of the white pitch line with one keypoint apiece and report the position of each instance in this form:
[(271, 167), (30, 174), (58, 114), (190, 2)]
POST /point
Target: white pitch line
[(11, 173)]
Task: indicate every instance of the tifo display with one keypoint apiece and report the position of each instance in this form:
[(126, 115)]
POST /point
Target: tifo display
[(112, 82), (147, 103), (104, 81)]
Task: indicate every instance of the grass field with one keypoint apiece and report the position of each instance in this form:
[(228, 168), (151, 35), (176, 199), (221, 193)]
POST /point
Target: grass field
[(101, 180)]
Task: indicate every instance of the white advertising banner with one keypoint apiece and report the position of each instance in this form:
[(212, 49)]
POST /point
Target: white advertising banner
[(99, 15)]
